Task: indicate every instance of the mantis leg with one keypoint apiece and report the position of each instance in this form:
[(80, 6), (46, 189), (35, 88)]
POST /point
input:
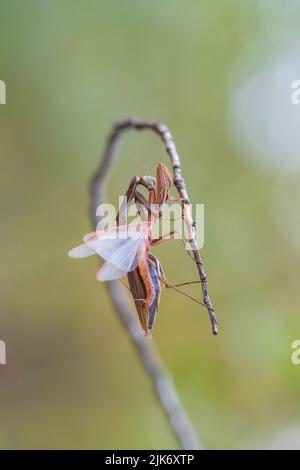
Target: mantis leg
[(143, 202), (175, 199), (168, 285), (129, 195), (164, 238)]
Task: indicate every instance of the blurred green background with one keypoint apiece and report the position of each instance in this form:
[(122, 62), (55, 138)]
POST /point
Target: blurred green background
[(71, 68)]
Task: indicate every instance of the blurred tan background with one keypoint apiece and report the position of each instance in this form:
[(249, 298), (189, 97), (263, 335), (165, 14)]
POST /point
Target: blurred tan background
[(219, 75)]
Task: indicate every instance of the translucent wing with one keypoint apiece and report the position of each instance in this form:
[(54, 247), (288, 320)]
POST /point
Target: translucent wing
[(81, 251), (121, 248), (108, 272), (122, 254)]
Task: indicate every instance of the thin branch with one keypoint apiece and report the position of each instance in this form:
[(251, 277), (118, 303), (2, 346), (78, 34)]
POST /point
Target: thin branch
[(110, 154), (150, 360)]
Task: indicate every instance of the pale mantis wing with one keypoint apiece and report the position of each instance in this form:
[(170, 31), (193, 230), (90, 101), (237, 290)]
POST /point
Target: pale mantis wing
[(81, 251), (122, 254), (122, 249), (108, 272), (125, 253)]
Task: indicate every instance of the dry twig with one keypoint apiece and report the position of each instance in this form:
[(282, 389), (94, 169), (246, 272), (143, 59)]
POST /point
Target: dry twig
[(165, 388), (99, 190)]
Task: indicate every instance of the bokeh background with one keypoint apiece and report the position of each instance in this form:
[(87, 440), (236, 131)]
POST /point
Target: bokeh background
[(219, 75)]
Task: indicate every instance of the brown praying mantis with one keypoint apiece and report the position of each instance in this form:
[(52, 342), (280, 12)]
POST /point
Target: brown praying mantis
[(125, 248)]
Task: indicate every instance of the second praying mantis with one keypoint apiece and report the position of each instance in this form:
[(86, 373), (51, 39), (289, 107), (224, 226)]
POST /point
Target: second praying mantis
[(145, 280)]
